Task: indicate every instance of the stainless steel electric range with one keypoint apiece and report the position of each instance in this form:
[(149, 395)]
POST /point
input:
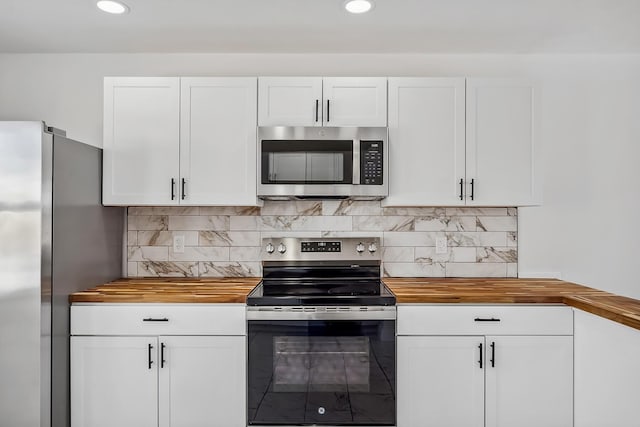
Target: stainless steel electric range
[(321, 335)]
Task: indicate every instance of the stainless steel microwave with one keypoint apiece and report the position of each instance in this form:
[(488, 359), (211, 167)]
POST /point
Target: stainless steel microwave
[(323, 162)]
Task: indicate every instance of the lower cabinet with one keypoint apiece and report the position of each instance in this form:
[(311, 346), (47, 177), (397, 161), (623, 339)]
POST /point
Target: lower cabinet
[(114, 382), (493, 377), (202, 382), (156, 380)]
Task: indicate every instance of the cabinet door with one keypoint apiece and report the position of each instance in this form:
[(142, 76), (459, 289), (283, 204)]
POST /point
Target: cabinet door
[(355, 101), (426, 142), (440, 382), (502, 143), (218, 141), (202, 381), (141, 140), (530, 382), (113, 383), (290, 101)]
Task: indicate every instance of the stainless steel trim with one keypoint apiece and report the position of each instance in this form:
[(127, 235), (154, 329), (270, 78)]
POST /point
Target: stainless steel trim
[(354, 191), (322, 313), (46, 281), (356, 162)]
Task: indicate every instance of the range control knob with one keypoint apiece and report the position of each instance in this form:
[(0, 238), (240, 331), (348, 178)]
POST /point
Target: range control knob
[(372, 247), (270, 248), (282, 248), (360, 248)]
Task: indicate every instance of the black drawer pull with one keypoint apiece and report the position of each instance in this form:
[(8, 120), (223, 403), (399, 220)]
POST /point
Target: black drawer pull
[(481, 352), (151, 319), (480, 319)]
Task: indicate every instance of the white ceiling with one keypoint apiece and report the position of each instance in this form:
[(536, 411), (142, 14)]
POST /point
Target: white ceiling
[(308, 26)]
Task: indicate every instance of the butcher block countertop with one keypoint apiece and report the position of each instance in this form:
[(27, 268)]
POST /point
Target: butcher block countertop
[(407, 290), (516, 291), (170, 290)]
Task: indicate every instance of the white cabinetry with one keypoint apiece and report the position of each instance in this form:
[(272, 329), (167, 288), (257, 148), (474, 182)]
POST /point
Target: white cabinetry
[(202, 381), (189, 141), (141, 140), (290, 101), (317, 101), (218, 141), (487, 366), (529, 381), (502, 148), (176, 374), (112, 383), (438, 383), (426, 141), (463, 142)]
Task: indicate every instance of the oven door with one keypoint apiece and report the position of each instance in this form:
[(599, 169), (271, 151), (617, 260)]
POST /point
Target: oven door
[(310, 369)]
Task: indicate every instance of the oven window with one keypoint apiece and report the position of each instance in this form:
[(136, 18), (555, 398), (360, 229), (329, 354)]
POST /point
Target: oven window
[(327, 364), (307, 162), (316, 372)]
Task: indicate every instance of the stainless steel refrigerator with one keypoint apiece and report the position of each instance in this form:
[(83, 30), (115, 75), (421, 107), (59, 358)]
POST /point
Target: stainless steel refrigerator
[(55, 238)]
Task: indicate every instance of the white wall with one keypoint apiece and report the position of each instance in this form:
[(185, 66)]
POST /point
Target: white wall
[(587, 231)]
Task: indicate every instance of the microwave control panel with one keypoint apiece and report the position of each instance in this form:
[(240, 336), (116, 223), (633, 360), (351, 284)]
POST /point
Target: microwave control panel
[(371, 162)]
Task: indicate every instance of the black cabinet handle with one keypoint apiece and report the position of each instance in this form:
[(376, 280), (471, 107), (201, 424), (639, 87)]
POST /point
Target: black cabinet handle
[(162, 361), (150, 361), (480, 361), (184, 193), (155, 319), (493, 354), (461, 188), (173, 189), (317, 106), (328, 111), (472, 185), (481, 319)]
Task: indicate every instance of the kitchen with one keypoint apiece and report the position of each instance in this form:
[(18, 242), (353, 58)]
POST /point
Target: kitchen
[(586, 65)]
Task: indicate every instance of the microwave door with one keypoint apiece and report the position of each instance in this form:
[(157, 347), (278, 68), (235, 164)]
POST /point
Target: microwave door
[(325, 167), (287, 166)]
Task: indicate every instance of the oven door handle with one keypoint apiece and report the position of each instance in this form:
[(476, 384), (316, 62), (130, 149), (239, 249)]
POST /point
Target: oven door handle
[(389, 313)]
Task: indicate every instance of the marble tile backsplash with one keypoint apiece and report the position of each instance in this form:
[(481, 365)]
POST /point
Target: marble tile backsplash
[(225, 241)]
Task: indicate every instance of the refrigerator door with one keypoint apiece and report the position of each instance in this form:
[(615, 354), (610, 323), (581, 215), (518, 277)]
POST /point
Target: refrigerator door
[(55, 238), (21, 207)]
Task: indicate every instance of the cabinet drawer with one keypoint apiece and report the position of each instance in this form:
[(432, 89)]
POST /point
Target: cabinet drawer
[(158, 319), (477, 320)]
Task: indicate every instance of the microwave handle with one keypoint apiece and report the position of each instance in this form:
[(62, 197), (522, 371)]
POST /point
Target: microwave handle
[(356, 161)]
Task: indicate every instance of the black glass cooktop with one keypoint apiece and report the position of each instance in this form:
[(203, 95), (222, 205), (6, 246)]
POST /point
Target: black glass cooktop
[(367, 292)]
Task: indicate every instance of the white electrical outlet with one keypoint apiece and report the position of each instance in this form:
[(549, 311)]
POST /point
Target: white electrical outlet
[(178, 244), (441, 245)]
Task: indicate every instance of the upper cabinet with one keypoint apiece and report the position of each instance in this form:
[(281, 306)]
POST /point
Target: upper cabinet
[(316, 101), (218, 141), (172, 141), (193, 141), (426, 141), (463, 142), (503, 153), (290, 101), (141, 140)]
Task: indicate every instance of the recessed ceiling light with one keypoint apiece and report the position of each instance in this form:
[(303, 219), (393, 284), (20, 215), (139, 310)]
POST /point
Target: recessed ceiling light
[(358, 6), (111, 6)]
